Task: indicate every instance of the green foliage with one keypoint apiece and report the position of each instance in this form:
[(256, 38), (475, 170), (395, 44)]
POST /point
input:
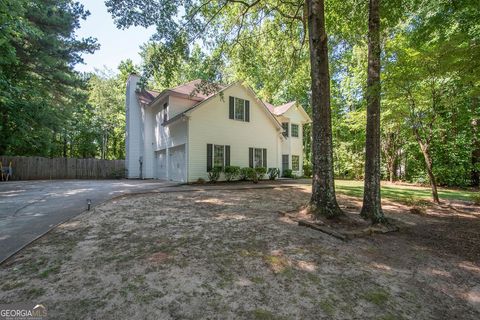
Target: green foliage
[(476, 198), (214, 174), (288, 173), (244, 173), (260, 171), (307, 170), (231, 172), (273, 173), (252, 174), (40, 91)]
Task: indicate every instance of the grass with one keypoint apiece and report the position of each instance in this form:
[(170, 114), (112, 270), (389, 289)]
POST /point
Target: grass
[(378, 297), (403, 193)]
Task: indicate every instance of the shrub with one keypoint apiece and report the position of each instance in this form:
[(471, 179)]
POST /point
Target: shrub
[(288, 173), (231, 172), (245, 173), (273, 173), (307, 170), (214, 174), (200, 181), (252, 175), (260, 171)]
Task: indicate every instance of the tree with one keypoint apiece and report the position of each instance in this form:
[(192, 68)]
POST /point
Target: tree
[(323, 201), (39, 88), (372, 205)]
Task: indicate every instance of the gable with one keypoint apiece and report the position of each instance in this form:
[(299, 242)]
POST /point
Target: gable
[(297, 114), (219, 103)]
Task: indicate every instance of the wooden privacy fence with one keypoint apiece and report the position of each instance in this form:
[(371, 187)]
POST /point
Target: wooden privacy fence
[(37, 168)]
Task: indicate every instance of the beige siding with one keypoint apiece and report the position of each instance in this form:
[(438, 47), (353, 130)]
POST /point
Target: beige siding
[(209, 123), (296, 144), (177, 105)]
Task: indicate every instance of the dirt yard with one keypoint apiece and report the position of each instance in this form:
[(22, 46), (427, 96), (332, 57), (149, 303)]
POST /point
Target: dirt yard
[(228, 254)]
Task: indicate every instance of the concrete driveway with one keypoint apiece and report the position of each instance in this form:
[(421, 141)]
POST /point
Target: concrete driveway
[(28, 209)]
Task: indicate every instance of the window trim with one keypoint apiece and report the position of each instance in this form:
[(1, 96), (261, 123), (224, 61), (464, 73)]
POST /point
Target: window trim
[(234, 111), (298, 169), (213, 154), (298, 130), (261, 157)]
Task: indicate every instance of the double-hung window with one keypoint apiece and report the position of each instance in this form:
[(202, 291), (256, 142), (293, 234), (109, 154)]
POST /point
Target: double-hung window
[(257, 157), (295, 130), (239, 109), (218, 155)]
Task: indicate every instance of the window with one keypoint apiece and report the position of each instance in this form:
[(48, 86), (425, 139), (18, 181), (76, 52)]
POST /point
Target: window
[(165, 114), (285, 129), (257, 162), (218, 155), (295, 130), (295, 163), (257, 157), (239, 109)]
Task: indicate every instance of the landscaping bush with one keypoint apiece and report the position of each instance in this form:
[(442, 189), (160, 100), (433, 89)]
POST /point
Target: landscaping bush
[(200, 181), (260, 171), (244, 173), (273, 173), (252, 175), (231, 172), (214, 174), (307, 170), (288, 173)]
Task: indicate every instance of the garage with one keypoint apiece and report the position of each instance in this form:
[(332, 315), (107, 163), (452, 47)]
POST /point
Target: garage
[(176, 164), (161, 164)]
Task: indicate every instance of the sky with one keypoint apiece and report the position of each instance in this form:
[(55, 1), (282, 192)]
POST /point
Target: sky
[(115, 44)]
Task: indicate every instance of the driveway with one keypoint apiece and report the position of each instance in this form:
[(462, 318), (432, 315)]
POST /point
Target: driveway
[(28, 209)]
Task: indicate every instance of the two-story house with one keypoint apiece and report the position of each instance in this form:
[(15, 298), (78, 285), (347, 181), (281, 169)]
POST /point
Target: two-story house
[(179, 134)]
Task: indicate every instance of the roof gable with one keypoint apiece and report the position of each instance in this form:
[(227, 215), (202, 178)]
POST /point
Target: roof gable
[(193, 91), (250, 92)]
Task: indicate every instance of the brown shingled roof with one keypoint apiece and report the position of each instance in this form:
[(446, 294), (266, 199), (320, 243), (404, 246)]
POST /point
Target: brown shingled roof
[(190, 90), (147, 96)]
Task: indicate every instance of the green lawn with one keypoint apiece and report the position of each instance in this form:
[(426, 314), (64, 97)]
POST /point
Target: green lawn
[(402, 193)]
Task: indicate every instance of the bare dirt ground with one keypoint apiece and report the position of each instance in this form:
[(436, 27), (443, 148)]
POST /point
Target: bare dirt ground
[(228, 254)]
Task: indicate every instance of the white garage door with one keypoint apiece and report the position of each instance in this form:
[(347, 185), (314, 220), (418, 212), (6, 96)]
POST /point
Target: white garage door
[(177, 165), (161, 164)]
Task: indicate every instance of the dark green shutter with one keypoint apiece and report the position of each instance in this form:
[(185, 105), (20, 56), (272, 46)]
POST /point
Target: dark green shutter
[(264, 158), (285, 129), (247, 111), (209, 157), (250, 157), (227, 156), (231, 108)]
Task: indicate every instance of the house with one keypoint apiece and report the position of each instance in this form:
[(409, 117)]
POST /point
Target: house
[(179, 134)]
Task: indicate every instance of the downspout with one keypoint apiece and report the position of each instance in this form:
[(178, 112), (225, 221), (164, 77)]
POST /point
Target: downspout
[(187, 150)]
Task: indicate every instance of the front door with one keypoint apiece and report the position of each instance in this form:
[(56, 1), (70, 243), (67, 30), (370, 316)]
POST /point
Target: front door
[(284, 163)]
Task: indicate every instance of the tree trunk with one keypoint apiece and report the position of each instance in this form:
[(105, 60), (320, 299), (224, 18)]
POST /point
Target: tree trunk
[(429, 165), (475, 176), (323, 201), (372, 205)]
